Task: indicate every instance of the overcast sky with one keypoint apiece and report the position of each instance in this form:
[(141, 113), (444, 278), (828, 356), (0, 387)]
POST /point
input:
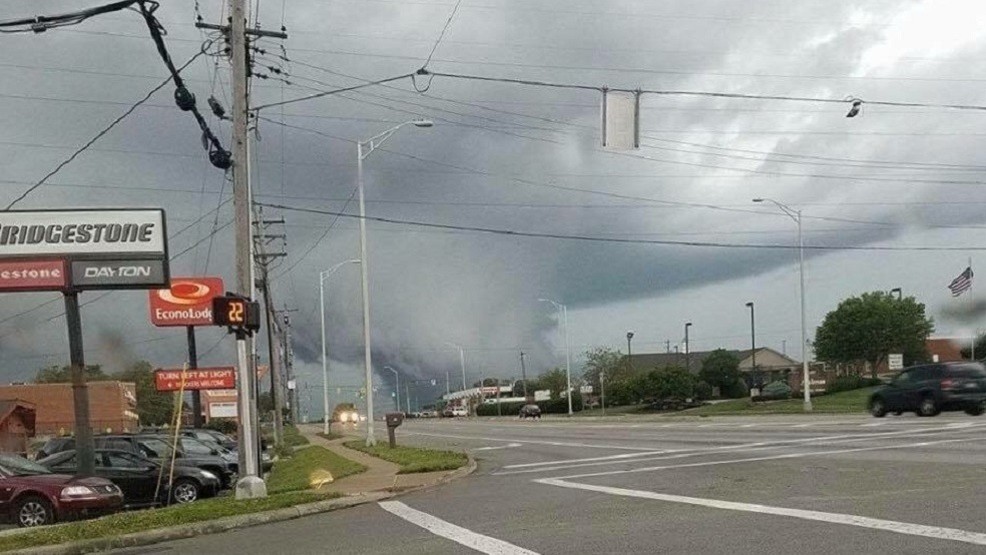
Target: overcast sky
[(511, 157)]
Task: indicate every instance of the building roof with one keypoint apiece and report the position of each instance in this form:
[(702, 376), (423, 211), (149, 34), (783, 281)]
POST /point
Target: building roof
[(10, 406), (649, 361)]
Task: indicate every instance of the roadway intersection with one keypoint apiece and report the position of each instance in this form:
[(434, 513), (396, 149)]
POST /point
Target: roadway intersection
[(777, 484)]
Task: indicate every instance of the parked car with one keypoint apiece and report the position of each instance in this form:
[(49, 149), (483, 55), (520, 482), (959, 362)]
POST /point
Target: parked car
[(190, 452), (929, 389), (139, 477), (530, 411), (34, 496)]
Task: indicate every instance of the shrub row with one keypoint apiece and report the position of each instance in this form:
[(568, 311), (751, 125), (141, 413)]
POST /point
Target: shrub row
[(848, 383), (554, 406)]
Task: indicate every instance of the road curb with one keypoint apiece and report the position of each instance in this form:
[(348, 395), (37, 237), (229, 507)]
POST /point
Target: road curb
[(224, 524)]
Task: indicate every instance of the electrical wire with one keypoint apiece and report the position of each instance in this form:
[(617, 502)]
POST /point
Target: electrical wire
[(335, 91), (98, 136), (448, 23), (598, 239), (41, 23)]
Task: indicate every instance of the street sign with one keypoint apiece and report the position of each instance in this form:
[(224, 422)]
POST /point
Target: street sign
[(489, 390), (542, 395), (585, 390), (223, 377), (119, 274), (32, 275), (895, 361), (186, 302)]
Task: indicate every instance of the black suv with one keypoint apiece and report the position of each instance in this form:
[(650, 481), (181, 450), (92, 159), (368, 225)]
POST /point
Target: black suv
[(932, 388), (157, 447)]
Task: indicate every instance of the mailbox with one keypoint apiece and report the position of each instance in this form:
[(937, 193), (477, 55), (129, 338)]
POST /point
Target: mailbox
[(394, 419)]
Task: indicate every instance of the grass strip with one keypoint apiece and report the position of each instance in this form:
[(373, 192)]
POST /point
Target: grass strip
[(309, 468), (293, 437), (139, 521), (330, 436), (836, 403), (413, 459)]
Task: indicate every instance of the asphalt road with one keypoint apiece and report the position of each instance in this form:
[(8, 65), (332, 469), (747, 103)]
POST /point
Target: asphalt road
[(772, 485)]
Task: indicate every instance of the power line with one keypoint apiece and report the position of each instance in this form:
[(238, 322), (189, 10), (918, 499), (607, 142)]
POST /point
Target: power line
[(515, 233), (98, 136), (448, 23)]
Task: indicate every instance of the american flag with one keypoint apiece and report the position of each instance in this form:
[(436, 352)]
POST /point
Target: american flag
[(962, 283)]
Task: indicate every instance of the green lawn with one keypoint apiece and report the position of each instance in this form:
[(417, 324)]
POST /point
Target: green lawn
[(292, 437), (836, 403), (308, 468), (413, 459), (138, 521)]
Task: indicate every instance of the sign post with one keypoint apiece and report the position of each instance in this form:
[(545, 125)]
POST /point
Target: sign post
[(73, 250)]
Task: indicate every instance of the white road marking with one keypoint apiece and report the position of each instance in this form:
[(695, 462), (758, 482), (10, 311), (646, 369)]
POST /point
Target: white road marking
[(549, 466), (872, 425), (535, 442), (803, 425), (768, 458), (507, 446), (747, 425), (458, 534), (911, 529)]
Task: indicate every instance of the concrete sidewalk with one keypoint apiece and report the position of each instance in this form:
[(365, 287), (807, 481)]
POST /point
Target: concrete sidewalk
[(380, 475)]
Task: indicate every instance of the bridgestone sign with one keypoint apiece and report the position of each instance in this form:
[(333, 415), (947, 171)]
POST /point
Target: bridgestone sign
[(74, 250), (82, 232)]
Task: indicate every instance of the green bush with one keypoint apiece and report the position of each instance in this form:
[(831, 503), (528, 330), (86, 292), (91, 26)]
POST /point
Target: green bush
[(223, 425), (703, 391), (554, 406), (849, 383), (776, 390)]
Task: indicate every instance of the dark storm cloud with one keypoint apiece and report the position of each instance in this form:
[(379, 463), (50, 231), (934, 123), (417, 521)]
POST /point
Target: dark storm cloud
[(481, 291)]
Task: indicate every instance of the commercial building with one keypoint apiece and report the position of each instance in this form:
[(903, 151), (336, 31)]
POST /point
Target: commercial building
[(112, 406)]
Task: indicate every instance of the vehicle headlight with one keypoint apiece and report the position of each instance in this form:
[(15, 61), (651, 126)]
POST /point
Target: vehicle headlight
[(78, 491), (209, 476), (354, 416)]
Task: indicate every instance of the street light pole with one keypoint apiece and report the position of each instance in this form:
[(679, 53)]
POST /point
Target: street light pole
[(322, 276), (397, 387), (462, 362), (688, 365), (629, 353), (805, 374), (361, 153), (568, 350), (753, 338)]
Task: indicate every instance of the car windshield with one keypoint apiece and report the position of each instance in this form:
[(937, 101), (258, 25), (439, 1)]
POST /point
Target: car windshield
[(19, 466), (154, 447)]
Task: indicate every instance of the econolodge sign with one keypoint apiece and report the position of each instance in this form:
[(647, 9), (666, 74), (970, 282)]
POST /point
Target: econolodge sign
[(186, 302), (223, 377)]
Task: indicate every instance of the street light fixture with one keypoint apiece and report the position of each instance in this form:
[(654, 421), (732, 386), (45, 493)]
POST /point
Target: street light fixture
[(364, 149), (796, 216), (322, 276), (568, 350), (900, 294)]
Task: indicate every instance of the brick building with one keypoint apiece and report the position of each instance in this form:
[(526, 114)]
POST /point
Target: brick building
[(112, 406), (16, 425)]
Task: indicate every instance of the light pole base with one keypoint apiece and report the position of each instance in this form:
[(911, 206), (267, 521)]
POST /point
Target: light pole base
[(807, 406), (251, 487)]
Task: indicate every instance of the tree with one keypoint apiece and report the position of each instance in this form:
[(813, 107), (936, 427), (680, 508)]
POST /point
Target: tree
[(672, 382), (63, 374), (871, 326), (554, 380), (721, 369), (153, 407), (623, 385)]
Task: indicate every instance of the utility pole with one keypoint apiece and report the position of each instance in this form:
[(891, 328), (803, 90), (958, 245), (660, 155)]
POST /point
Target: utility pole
[(250, 485), (688, 365), (523, 374), (263, 259), (289, 368)]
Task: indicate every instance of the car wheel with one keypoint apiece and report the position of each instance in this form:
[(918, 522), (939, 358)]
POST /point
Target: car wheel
[(185, 491), (877, 408), (34, 511), (928, 407), (975, 410)]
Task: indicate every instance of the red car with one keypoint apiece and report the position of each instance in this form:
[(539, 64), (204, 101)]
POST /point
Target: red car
[(31, 495)]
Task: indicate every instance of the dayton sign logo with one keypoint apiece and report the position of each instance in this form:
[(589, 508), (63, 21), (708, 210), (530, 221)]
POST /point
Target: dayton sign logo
[(188, 302)]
